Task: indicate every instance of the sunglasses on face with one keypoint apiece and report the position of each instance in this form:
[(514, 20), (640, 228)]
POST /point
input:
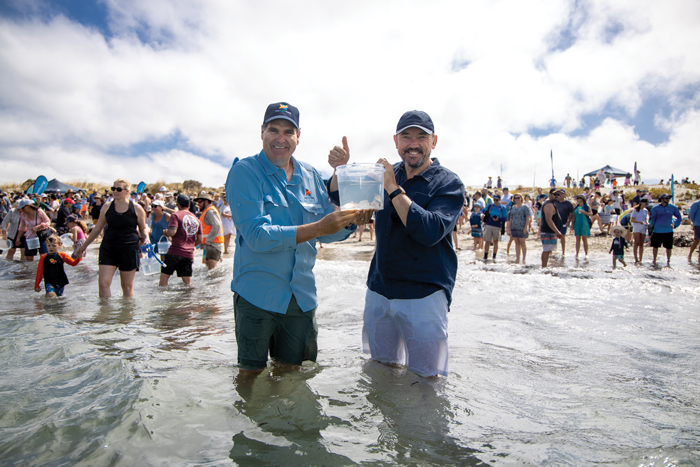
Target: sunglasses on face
[(118, 189)]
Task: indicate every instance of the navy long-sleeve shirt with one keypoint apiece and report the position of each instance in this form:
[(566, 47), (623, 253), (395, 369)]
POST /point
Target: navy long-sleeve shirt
[(417, 260)]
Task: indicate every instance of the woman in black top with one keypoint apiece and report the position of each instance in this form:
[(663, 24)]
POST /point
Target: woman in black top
[(120, 246)]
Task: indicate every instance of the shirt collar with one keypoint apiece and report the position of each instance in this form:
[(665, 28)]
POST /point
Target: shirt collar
[(270, 169), (427, 174)]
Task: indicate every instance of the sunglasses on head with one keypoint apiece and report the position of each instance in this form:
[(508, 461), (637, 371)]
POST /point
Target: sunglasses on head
[(118, 189)]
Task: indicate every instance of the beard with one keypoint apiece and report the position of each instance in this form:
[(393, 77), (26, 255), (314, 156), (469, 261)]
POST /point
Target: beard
[(420, 163)]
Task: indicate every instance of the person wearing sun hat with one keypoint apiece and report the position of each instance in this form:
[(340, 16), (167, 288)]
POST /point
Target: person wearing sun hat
[(619, 245), (664, 218), (33, 219), (213, 231)]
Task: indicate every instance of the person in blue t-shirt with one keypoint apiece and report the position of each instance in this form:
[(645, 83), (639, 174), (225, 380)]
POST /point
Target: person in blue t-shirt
[(664, 218), (495, 216)]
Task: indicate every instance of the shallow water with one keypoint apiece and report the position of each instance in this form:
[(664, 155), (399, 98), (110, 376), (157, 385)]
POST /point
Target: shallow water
[(574, 365)]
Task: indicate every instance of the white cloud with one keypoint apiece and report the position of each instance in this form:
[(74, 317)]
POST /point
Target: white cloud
[(352, 69)]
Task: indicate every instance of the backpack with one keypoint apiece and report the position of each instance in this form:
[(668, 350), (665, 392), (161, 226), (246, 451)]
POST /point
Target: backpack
[(503, 225)]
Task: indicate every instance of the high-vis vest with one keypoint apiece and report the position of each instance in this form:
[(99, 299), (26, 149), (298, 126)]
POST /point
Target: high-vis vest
[(207, 228)]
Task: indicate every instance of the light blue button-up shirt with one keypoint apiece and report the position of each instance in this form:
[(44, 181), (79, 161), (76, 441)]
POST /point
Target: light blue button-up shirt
[(268, 265)]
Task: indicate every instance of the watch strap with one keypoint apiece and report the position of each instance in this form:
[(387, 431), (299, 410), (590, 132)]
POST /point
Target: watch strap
[(396, 193)]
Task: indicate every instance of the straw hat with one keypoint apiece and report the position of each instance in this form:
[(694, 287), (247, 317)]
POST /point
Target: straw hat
[(204, 195), (619, 228)]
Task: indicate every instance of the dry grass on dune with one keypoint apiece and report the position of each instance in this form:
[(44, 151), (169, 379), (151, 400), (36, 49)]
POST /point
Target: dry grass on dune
[(190, 187)]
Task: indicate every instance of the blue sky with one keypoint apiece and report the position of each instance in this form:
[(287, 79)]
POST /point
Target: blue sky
[(175, 90)]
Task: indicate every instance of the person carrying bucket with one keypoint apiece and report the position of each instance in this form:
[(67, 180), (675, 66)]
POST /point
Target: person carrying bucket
[(158, 222), (414, 266), (34, 223), (280, 208)]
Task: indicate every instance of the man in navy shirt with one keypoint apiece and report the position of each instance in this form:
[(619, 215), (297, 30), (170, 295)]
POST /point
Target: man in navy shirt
[(414, 267), (664, 218), (495, 216)]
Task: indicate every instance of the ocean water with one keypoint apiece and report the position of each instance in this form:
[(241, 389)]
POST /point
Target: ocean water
[(573, 365)]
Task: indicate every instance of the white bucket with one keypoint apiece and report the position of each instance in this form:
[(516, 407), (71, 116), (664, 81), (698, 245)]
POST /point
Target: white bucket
[(33, 243), (163, 245), (7, 244), (361, 186), (150, 266), (67, 240)]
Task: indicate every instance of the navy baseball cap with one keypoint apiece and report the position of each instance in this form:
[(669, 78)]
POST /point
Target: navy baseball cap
[(183, 200), (282, 110), (415, 118)]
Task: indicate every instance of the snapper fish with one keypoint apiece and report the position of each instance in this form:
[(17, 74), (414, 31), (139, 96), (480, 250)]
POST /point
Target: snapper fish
[(377, 203)]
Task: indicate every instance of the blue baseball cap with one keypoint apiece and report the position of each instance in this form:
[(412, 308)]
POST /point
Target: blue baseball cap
[(282, 110), (415, 118)]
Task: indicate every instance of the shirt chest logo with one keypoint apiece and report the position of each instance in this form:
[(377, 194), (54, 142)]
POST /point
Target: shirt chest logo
[(309, 197)]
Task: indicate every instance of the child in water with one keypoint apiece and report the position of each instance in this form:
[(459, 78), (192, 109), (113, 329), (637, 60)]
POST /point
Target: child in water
[(619, 244), (50, 267), (78, 230), (475, 222)]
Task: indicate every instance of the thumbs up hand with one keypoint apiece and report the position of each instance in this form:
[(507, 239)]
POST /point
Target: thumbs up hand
[(339, 156)]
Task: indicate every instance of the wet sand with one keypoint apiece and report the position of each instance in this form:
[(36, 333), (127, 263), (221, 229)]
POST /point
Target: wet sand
[(363, 251)]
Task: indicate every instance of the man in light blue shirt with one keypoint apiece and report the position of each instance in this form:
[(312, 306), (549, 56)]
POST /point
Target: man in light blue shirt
[(694, 216), (280, 207)]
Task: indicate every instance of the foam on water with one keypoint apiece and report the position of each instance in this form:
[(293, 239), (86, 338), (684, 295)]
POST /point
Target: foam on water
[(572, 365)]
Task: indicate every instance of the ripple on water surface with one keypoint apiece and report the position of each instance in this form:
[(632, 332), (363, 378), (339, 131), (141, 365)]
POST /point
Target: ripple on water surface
[(572, 365)]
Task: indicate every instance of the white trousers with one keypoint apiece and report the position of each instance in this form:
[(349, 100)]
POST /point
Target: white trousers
[(408, 332)]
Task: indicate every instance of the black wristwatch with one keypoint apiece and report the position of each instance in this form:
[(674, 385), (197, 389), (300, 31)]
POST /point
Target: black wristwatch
[(396, 193)]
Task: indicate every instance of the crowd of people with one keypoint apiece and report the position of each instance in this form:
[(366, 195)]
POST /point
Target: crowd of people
[(280, 207), (492, 214), (124, 221)]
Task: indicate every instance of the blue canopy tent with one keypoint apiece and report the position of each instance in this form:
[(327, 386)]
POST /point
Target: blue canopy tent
[(54, 186), (614, 173)]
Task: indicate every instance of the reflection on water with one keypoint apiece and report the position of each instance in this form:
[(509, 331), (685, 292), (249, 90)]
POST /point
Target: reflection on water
[(575, 364)]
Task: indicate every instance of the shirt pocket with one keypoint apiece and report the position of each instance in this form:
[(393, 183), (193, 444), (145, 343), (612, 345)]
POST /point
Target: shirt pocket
[(276, 207)]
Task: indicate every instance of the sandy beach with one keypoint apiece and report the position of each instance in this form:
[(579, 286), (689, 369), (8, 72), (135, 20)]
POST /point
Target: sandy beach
[(363, 250), (684, 195)]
